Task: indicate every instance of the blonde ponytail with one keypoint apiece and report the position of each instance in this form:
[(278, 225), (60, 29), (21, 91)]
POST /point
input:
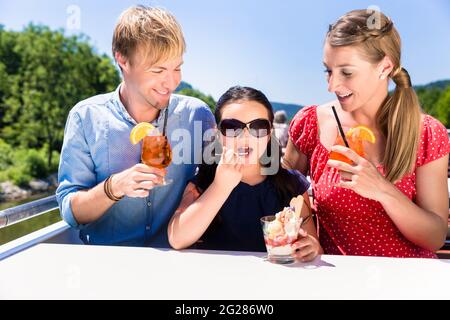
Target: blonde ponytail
[(399, 121)]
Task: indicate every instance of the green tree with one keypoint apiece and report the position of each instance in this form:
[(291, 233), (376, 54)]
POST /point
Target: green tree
[(209, 100), (428, 98), (47, 73), (443, 108)]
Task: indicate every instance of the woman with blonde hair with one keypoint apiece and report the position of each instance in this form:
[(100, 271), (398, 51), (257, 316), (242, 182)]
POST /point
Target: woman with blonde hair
[(393, 200)]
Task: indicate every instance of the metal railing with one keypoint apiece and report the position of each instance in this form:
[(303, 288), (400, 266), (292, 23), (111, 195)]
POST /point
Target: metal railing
[(28, 210)]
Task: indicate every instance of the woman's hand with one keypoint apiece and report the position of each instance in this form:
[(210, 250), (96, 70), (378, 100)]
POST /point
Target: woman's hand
[(307, 247), (229, 170), (362, 177)]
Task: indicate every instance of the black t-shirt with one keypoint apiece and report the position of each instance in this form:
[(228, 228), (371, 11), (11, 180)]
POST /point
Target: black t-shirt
[(237, 225)]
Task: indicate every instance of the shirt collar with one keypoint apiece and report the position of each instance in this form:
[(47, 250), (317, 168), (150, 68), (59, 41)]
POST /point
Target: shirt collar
[(124, 113)]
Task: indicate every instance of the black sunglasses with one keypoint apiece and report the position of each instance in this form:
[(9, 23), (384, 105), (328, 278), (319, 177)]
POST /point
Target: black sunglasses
[(233, 127)]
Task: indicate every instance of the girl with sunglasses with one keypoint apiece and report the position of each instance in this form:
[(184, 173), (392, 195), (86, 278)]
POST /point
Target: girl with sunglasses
[(222, 206)]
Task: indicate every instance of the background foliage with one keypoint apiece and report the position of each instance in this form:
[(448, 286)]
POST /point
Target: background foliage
[(44, 73)]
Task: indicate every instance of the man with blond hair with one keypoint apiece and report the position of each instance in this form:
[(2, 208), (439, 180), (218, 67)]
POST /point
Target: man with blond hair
[(104, 190)]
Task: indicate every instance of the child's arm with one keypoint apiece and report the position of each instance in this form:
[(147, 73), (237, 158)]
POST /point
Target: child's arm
[(196, 212), (194, 215)]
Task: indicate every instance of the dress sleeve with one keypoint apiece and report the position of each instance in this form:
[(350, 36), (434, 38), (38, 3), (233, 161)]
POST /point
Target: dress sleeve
[(303, 130), (434, 141)]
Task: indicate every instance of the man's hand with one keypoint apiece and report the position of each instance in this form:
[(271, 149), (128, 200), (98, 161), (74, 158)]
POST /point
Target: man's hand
[(137, 181)]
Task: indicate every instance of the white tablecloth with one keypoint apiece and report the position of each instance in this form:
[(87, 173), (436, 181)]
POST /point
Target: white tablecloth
[(56, 271)]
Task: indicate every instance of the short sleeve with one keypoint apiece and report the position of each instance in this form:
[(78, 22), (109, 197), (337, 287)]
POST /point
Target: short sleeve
[(303, 130), (434, 141), (302, 183), (204, 177)]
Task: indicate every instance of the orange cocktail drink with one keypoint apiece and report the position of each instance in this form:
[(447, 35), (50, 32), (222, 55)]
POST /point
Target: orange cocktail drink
[(355, 137), (156, 151)]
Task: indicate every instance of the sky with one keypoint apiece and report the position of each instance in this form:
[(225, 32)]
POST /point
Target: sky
[(272, 45)]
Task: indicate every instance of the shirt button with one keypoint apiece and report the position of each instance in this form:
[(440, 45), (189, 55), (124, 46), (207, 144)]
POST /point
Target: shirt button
[(147, 228), (149, 204)]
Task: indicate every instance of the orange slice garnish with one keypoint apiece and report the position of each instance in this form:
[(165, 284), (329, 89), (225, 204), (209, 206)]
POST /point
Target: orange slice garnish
[(140, 131), (361, 133)]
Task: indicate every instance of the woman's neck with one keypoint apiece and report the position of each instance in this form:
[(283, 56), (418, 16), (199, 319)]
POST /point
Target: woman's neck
[(367, 114), (252, 175)]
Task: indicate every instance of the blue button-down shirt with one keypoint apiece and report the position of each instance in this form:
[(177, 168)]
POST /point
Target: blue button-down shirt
[(96, 145)]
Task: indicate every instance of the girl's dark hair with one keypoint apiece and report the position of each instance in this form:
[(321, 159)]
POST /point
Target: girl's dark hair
[(285, 183)]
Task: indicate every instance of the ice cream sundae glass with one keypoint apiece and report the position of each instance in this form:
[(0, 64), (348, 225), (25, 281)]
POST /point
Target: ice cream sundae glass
[(281, 231)]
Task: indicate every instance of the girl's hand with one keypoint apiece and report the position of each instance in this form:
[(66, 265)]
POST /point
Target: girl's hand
[(362, 177), (229, 170), (307, 246)]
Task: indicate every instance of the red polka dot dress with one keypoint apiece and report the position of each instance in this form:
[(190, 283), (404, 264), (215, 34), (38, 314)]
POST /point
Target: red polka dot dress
[(350, 224)]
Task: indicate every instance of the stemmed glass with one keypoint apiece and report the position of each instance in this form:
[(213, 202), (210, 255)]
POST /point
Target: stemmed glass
[(156, 151)]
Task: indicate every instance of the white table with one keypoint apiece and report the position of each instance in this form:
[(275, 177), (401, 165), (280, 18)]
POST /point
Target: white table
[(56, 271)]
